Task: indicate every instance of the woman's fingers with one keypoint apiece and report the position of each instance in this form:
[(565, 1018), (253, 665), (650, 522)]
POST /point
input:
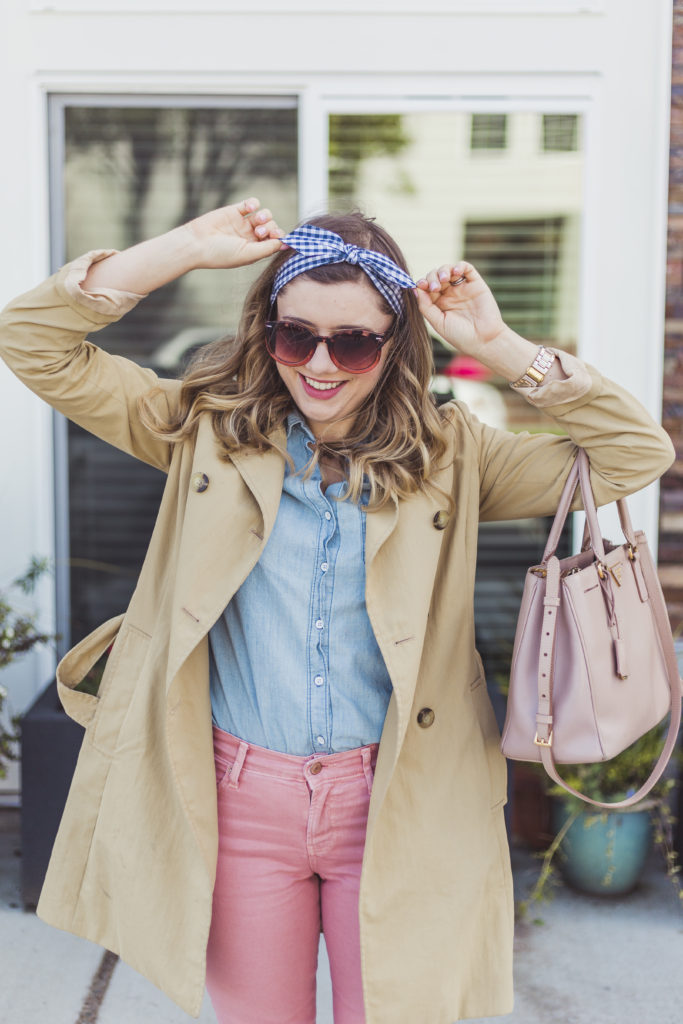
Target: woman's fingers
[(248, 206), (262, 222), (446, 276), (424, 301), (266, 227)]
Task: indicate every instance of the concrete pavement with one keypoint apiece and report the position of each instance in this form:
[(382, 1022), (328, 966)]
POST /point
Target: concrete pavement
[(584, 961)]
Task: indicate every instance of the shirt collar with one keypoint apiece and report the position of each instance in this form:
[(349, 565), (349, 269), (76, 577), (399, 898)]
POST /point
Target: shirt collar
[(295, 420), (298, 428)]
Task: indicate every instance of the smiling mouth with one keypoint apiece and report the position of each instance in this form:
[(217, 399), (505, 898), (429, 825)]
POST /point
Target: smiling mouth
[(321, 385)]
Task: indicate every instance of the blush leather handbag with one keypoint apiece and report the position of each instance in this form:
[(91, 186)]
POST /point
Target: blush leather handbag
[(593, 665)]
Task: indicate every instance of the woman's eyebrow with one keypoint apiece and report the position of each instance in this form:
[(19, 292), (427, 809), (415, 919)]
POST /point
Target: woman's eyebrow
[(338, 327), (298, 320)]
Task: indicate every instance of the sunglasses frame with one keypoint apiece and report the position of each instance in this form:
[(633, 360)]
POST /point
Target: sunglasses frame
[(329, 339)]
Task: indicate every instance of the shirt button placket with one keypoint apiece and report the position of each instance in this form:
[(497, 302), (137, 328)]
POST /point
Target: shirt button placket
[(320, 713)]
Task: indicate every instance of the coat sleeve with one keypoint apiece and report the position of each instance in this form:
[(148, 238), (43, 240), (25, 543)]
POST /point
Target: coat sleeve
[(43, 340), (522, 475)]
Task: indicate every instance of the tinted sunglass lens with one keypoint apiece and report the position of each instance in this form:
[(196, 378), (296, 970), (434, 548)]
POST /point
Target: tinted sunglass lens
[(291, 344), (356, 351)]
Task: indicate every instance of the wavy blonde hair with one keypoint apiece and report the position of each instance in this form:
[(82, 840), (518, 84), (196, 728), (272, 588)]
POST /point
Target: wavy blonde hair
[(398, 435)]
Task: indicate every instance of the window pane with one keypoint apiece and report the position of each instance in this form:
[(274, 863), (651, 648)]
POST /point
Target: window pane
[(489, 131), (130, 172), (560, 133), (521, 261)]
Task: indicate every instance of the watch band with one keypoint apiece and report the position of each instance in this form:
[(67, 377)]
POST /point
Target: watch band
[(536, 373)]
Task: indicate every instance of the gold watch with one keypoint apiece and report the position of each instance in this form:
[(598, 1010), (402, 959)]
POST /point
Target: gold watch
[(536, 373)]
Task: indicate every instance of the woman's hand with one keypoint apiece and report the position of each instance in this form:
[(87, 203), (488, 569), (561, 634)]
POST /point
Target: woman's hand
[(466, 315), (234, 236), (230, 237)]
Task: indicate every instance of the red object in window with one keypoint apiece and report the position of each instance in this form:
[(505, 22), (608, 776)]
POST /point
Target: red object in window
[(466, 368)]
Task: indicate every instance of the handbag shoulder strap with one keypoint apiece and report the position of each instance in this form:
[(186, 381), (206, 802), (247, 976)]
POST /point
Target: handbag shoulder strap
[(544, 718)]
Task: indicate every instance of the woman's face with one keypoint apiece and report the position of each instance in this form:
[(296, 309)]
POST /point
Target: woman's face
[(324, 309)]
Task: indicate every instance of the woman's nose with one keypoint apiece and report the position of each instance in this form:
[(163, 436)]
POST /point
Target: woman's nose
[(321, 361)]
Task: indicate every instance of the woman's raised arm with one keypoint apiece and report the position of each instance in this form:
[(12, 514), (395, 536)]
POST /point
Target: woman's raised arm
[(232, 236)]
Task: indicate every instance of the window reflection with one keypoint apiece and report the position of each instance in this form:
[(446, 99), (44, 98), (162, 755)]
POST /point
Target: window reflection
[(131, 171)]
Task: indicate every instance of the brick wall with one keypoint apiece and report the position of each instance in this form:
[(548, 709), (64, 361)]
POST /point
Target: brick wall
[(671, 501)]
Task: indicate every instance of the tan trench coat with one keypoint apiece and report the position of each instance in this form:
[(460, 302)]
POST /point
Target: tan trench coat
[(133, 864)]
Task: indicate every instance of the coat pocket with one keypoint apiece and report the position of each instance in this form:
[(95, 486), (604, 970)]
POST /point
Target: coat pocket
[(125, 667), (491, 736), (75, 665)]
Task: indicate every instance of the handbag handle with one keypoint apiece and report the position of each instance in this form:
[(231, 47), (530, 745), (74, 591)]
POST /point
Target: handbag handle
[(580, 474), (544, 719)]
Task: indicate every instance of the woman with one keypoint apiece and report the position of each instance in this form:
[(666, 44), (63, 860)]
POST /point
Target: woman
[(308, 587)]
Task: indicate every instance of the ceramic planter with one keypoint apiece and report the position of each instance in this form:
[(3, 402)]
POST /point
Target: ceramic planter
[(604, 854), (50, 742)]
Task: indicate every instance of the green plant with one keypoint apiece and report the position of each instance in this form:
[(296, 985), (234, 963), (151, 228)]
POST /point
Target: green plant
[(18, 634), (612, 781)]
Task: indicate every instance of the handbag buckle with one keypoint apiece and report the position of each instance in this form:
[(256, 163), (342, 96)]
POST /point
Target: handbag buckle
[(538, 742)]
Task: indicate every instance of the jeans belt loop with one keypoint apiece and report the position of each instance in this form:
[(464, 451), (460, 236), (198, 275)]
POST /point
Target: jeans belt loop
[(366, 755), (237, 765)]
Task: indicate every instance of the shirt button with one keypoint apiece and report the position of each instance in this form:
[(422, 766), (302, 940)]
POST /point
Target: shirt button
[(319, 624), (318, 680), (328, 516), (324, 567), (320, 740)]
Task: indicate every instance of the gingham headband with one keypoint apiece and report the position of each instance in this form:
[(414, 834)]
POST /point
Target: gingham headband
[(316, 247)]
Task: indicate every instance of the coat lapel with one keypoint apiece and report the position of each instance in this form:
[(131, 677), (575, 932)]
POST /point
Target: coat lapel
[(225, 528)]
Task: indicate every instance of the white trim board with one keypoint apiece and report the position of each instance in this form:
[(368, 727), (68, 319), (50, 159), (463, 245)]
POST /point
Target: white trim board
[(510, 8)]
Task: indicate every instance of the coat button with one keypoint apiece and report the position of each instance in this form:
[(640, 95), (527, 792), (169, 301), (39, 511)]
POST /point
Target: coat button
[(425, 718), (315, 768), (199, 482), (441, 519)]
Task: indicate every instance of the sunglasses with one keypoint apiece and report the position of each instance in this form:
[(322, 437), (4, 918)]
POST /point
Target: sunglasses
[(353, 350)]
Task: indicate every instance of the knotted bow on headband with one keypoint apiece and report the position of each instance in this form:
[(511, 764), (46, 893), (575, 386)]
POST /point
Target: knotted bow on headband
[(316, 247)]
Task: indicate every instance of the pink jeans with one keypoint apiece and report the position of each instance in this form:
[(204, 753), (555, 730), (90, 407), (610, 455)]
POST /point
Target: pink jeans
[(291, 838)]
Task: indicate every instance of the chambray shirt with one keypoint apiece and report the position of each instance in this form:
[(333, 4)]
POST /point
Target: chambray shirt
[(294, 664)]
